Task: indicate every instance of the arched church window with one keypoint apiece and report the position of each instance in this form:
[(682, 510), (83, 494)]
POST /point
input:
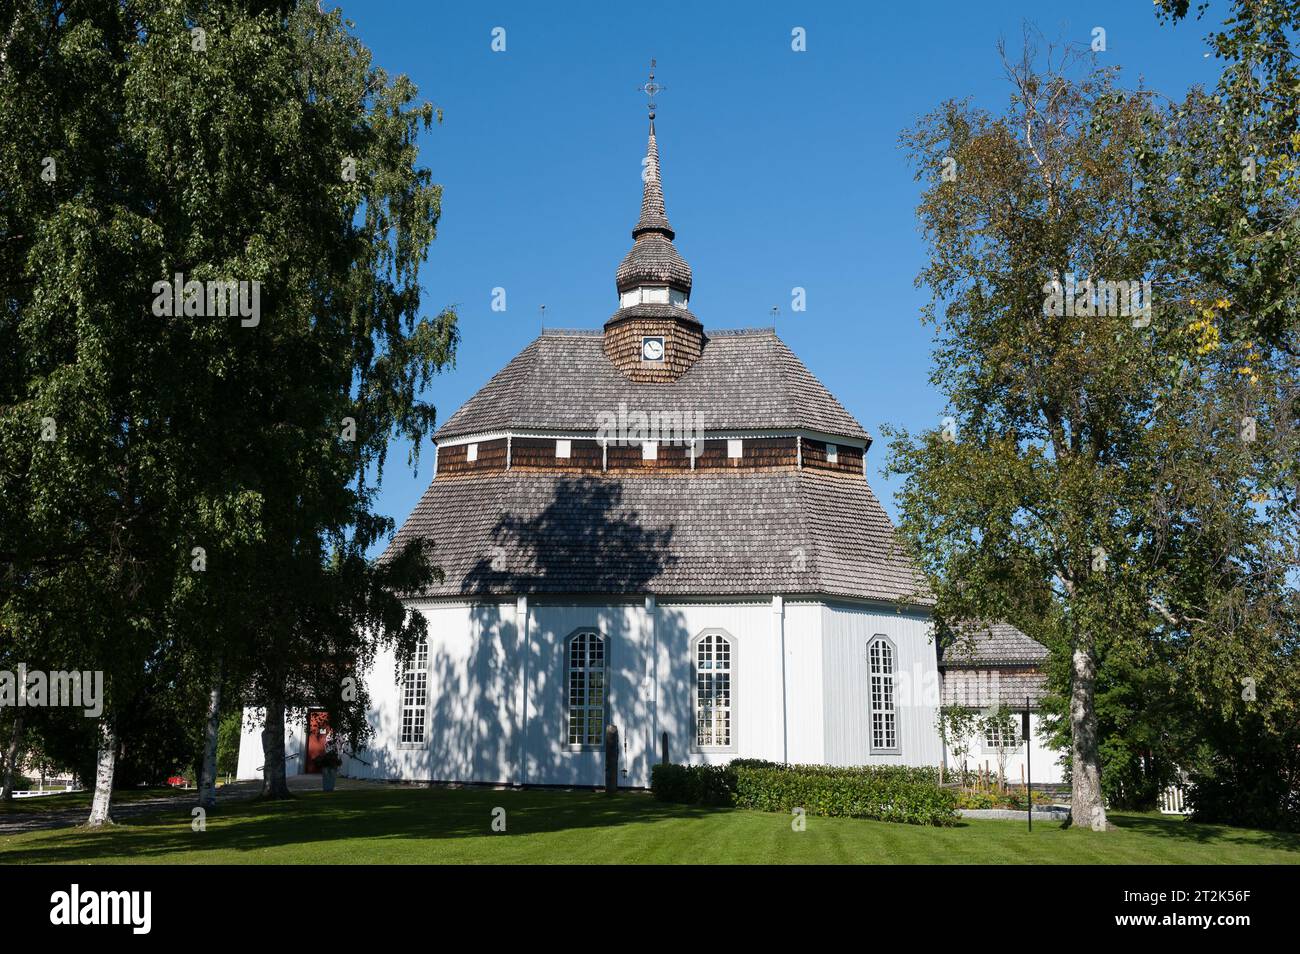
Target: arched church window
[(415, 695), (586, 688), (714, 687), (884, 716)]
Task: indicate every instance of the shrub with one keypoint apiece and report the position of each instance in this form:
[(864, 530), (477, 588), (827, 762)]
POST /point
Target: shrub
[(1248, 791), (693, 784), (887, 793), (978, 800)]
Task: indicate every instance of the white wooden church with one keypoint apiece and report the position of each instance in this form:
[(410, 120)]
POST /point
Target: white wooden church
[(668, 529)]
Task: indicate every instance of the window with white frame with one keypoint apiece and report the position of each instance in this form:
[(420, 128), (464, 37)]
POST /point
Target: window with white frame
[(471, 452), (1001, 734), (735, 448), (832, 454), (415, 695), (884, 716), (713, 691), (563, 449), (586, 688)]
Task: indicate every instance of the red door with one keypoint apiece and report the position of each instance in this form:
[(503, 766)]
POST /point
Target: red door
[(318, 733)]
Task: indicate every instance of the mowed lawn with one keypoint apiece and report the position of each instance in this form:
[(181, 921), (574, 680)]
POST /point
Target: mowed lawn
[(396, 825)]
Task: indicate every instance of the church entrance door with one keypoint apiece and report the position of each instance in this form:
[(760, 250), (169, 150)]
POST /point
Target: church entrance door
[(318, 733)]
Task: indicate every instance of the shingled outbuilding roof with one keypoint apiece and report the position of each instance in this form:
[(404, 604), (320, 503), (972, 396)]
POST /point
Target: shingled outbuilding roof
[(726, 533), (992, 644), (993, 664), (742, 380), (982, 688)]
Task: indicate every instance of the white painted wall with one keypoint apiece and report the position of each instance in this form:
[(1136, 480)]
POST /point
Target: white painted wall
[(498, 695), (1046, 763), (250, 745), (847, 629), (756, 679), (550, 760)]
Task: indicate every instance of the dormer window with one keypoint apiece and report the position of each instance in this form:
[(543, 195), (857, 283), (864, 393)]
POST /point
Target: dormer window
[(735, 448), (563, 449), (832, 454), (471, 453)]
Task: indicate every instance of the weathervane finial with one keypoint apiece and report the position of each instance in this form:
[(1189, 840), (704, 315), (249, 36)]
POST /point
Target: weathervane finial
[(650, 88)]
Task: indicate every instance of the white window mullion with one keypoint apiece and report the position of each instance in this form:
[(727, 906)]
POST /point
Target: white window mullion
[(415, 695), (587, 689), (884, 716), (713, 691)]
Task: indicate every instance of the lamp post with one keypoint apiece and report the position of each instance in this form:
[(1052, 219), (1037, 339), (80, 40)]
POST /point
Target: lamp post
[(1029, 776)]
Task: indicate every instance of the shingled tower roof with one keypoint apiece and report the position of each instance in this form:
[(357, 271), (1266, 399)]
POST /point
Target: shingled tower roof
[(653, 260), (654, 218)]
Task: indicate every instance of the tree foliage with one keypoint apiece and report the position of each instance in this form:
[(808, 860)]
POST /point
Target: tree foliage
[(207, 492), (1096, 486)]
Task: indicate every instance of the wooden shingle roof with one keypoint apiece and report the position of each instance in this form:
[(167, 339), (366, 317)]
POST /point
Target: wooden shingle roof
[(993, 664), (725, 533), (747, 380), (653, 259), (978, 689), (992, 644)]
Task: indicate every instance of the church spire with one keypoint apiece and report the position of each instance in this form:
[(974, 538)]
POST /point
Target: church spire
[(654, 218), (653, 271), (653, 337)]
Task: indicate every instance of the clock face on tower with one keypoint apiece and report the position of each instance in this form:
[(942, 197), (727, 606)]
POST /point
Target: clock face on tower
[(652, 349)]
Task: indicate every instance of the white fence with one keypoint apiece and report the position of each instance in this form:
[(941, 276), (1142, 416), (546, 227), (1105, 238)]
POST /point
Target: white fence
[(1173, 801), (37, 793)]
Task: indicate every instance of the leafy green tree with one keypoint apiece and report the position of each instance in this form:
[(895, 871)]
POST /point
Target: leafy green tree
[(1094, 485), (208, 473), (956, 726), (1234, 224), (1240, 178), (232, 724)]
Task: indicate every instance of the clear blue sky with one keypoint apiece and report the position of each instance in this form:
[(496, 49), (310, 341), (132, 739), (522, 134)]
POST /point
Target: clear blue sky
[(780, 169)]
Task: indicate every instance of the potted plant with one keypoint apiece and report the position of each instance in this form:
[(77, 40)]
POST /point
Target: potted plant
[(329, 764)]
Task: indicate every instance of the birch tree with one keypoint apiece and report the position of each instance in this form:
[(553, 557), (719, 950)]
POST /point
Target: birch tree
[(1091, 484), (166, 452)]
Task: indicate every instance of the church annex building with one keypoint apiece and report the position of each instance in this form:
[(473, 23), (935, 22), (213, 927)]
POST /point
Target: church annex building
[(666, 528)]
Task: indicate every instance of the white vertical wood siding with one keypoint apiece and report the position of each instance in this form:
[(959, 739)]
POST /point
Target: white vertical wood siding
[(805, 683), (846, 631), (250, 745), (498, 695), (549, 759), (472, 721), (755, 679)]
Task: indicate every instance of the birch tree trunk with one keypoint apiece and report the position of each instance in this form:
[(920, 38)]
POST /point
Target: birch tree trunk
[(208, 776), (1086, 806), (11, 759), (104, 768), (274, 784)]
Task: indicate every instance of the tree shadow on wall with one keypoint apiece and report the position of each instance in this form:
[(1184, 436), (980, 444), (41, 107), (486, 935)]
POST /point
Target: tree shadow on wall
[(572, 535), (567, 537)]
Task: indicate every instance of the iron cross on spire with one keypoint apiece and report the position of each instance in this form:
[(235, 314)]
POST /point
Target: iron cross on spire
[(650, 88)]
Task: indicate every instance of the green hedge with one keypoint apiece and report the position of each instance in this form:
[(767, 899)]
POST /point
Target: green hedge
[(693, 784), (885, 792)]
